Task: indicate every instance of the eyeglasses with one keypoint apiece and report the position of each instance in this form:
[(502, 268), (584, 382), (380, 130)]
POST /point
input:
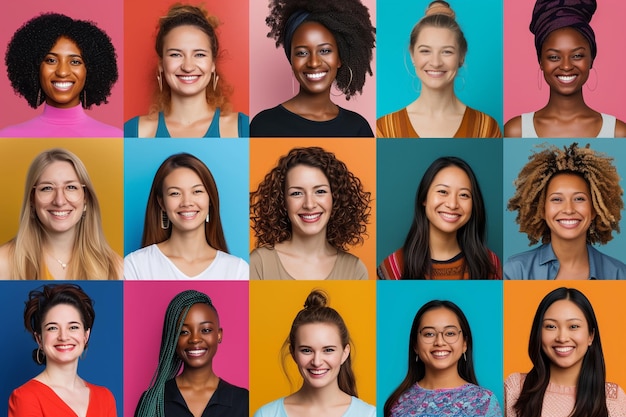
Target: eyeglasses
[(450, 334), (72, 191)]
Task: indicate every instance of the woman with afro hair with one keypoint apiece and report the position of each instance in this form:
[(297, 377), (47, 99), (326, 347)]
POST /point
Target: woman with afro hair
[(325, 42), (191, 100), (305, 213), (67, 64), (569, 199)]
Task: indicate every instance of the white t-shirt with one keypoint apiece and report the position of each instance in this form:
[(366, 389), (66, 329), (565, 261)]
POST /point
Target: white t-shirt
[(150, 263)]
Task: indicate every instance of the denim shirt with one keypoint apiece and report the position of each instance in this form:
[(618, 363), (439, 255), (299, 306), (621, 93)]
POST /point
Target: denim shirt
[(541, 263)]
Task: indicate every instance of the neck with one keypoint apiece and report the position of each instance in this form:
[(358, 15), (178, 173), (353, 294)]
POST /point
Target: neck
[(443, 246), (441, 379), (312, 103), (310, 246), (435, 102), (570, 251), (61, 375), (187, 110), (325, 395), (198, 377), (60, 245), (567, 377), (190, 244), (566, 105)]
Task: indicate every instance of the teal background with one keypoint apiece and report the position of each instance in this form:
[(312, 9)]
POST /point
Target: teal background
[(102, 361), (398, 301), (479, 80), (400, 166), (518, 152), (228, 161)]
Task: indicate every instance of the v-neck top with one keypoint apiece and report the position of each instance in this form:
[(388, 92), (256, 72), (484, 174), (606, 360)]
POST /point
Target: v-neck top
[(227, 401), (35, 398)]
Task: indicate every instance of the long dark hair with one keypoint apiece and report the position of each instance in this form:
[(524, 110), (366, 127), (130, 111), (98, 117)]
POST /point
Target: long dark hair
[(471, 236), (416, 369), (591, 385)]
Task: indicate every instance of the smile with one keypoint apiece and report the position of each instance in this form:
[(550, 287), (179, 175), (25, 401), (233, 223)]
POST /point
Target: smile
[(64, 347), (196, 352), (188, 78), (316, 75), (318, 372), (563, 351), (566, 79), (60, 214), (310, 218), (440, 354), (435, 74), (188, 214), (569, 223), (449, 217), (62, 85)]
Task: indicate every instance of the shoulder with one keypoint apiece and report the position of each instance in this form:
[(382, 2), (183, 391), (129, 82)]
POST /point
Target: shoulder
[(5, 261), (268, 114), (615, 399), (96, 128), (606, 267), (359, 126), (350, 267), (514, 382), (391, 267), (513, 128), (258, 257), (386, 125), (484, 126), (233, 124), (518, 266), (270, 409), (26, 397), (360, 408), (497, 265), (233, 266), (142, 126), (233, 392), (135, 261), (620, 129), (263, 123), (98, 391)]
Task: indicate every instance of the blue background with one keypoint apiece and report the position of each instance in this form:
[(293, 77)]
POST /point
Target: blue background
[(518, 151), (228, 161), (102, 364), (400, 166), (398, 301), (481, 23)]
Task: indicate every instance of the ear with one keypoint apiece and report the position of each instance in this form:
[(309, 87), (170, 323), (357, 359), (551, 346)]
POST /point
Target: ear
[(464, 345), (87, 334), (220, 334), (37, 337), (346, 353), (160, 201), (592, 334)]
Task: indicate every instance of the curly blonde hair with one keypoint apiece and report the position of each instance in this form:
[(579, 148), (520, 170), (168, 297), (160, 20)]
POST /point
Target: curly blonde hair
[(595, 168)]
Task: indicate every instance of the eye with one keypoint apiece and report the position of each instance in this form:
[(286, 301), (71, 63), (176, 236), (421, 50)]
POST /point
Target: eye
[(201, 55), (465, 195), (175, 54), (556, 199), (173, 193), (580, 198), (184, 332), (578, 56), (552, 58), (198, 191), (76, 62), (549, 326), (329, 350), (423, 51), (428, 334), (321, 191), (75, 327), (46, 188), (50, 60), (51, 328), (447, 52), (207, 330), (442, 192), (300, 53), (305, 350), (295, 193), (575, 326), (326, 51), (450, 333)]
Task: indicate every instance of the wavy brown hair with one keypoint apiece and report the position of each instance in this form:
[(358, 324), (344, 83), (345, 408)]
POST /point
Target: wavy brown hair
[(350, 212), (595, 168), (187, 15)]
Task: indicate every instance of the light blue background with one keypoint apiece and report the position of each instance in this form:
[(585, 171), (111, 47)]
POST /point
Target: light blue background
[(518, 151), (102, 363), (398, 301), (481, 23), (228, 161), (401, 163)]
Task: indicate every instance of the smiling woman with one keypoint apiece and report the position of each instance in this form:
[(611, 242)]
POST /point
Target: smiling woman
[(191, 102), (67, 64)]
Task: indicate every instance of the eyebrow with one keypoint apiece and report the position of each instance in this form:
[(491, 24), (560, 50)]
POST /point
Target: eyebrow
[(57, 54), (323, 347), (571, 319), (318, 45), (571, 50), (179, 187), (430, 46), (447, 186), (180, 50), (202, 322), (70, 322)]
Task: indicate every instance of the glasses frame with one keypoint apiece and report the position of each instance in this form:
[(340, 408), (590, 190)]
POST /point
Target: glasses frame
[(56, 189), (430, 341)]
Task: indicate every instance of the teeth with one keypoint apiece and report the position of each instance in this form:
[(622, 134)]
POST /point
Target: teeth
[(196, 352), (310, 216), (188, 213), (316, 76), (569, 222), (441, 354), (318, 371), (450, 215), (188, 77), (564, 349), (63, 85), (60, 213), (566, 78), (436, 73), (64, 346)]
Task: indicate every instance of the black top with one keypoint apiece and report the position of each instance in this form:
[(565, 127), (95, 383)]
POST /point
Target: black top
[(227, 401), (280, 122)]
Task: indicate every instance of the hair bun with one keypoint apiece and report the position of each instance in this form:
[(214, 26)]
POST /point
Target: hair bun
[(440, 7), (316, 299)]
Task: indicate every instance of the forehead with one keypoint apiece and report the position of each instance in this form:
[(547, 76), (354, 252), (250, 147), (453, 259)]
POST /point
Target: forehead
[(312, 32), (59, 171), (439, 317), (182, 176), (199, 313), (436, 36), (452, 176), (563, 310), (565, 38), (304, 174), (65, 45), (62, 313), (186, 36), (323, 334), (569, 182)]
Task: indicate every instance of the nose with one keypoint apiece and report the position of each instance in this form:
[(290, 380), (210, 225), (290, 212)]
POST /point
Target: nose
[(188, 64), (194, 337), (568, 207), (316, 360), (63, 68), (185, 200), (435, 60), (309, 201), (562, 335), (566, 64), (61, 334), (452, 201), (59, 196), (439, 339), (314, 60)]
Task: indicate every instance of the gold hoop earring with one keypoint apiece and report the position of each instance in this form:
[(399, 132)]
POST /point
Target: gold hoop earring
[(216, 78)]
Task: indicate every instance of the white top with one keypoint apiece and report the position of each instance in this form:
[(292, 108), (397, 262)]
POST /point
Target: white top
[(150, 263), (358, 408), (606, 131)]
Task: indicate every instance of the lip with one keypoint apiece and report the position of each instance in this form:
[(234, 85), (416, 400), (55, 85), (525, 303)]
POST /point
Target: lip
[(65, 347), (569, 223), (62, 85), (188, 79), (188, 215), (310, 217), (440, 354), (435, 73), (449, 217), (563, 351), (196, 353), (316, 76), (60, 214), (567, 79), (318, 373)]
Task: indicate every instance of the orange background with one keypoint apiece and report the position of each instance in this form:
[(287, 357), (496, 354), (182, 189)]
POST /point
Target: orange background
[(359, 155), (521, 299), (274, 305), (141, 18), (105, 166)]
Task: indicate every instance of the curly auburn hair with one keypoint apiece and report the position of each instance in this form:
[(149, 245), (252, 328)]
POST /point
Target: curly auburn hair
[(197, 16), (348, 21), (595, 168), (350, 212), (35, 38)]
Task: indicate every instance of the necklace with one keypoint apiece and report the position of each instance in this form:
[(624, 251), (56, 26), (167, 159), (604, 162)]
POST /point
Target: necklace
[(63, 264)]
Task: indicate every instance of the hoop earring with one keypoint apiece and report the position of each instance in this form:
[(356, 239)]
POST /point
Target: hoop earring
[(215, 78), (165, 221), (40, 356), (84, 98), (595, 85), (345, 90), (539, 78), (160, 80)]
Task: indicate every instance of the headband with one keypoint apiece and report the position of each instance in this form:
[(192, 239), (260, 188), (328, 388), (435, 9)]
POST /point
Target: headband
[(295, 20)]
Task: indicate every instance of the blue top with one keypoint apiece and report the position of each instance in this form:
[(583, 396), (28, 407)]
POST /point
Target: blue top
[(357, 408), (541, 263), (131, 127), (468, 400)]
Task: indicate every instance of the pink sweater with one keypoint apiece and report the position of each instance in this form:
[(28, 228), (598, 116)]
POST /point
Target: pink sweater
[(558, 401), (68, 123)]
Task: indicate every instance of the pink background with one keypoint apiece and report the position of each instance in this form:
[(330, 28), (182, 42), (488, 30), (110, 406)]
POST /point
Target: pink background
[(145, 303), (271, 79), (107, 15), (521, 93)]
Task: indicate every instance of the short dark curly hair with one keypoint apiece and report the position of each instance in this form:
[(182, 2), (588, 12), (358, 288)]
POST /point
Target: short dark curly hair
[(350, 212), (35, 38), (348, 21), (594, 167)]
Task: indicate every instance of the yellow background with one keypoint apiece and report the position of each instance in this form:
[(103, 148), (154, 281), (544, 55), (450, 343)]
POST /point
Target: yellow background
[(274, 305), (521, 299), (359, 155), (105, 165)]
